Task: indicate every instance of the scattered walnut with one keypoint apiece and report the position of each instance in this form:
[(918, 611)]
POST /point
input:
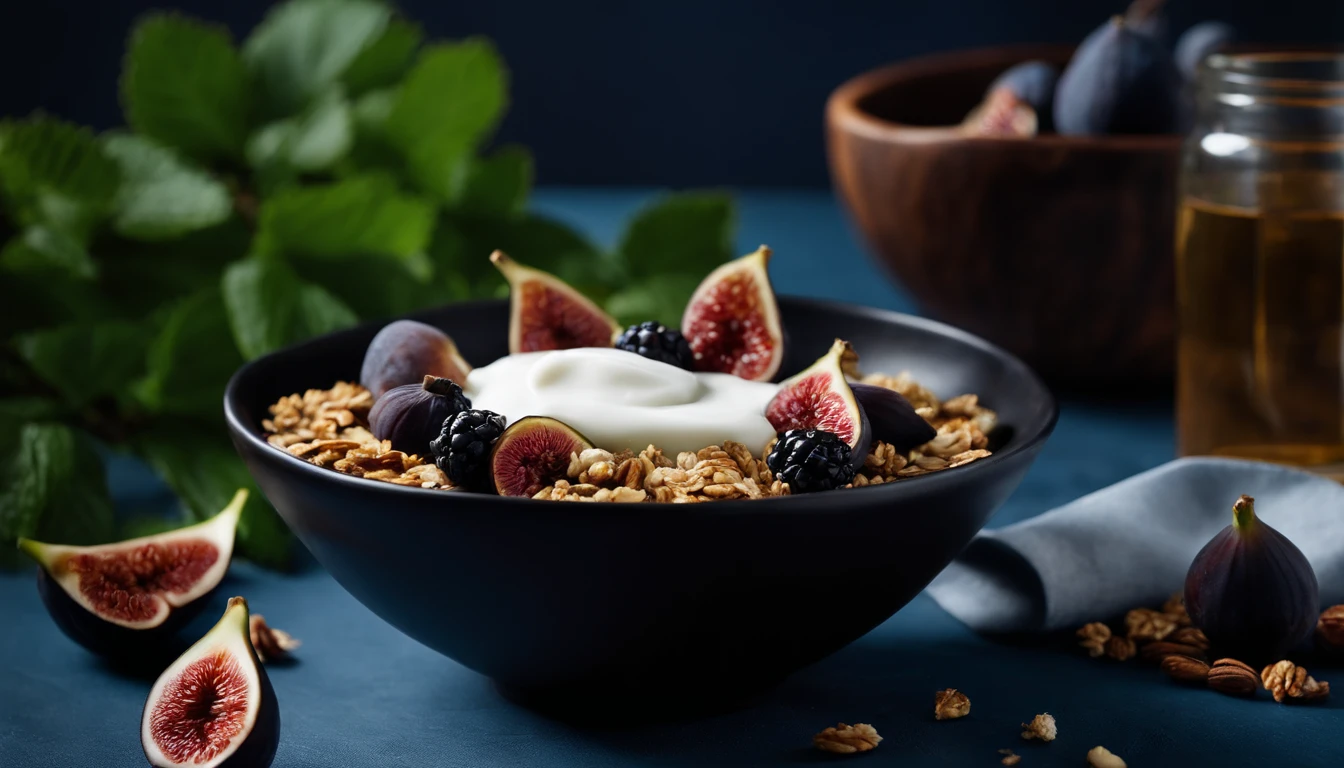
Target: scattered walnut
[(1041, 727), (1145, 624), (271, 644), (1010, 757), (1101, 757), (1161, 649), (1233, 678), (1330, 628), (1190, 636), (1285, 680), (1120, 648), (1174, 609), (845, 739), (1093, 637), (1185, 669), (949, 704)]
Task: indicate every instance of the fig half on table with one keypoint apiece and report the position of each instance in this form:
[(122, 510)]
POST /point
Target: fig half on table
[(127, 599)]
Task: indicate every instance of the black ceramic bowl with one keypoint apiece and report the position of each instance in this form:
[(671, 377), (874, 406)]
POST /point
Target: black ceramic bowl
[(626, 602)]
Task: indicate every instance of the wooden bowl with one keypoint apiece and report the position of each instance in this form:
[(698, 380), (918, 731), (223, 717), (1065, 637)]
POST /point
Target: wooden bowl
[(1058, 248)]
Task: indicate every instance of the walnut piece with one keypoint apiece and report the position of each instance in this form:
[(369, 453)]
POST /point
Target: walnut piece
[(1093, 637), (1041, 727), (1330, 628), (1101, 757), (1120, 648), (271, 644), (1285, 680), (845, 739), (1174, 609), (949, 704), (1145, 624)]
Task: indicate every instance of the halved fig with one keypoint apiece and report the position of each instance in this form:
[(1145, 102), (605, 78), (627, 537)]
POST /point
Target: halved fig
[(892, 418), (533, 453), (546, 313), (405, 352), (125, 600), (214, 706), (821, 398), (732, 320)]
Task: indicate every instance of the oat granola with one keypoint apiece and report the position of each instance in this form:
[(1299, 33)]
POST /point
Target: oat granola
[(330, 428)]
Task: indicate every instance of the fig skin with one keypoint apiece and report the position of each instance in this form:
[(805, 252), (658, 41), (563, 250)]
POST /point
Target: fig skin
[(505, 472), (1120, 81), (1198, 43), (892, 418), (1251, 590), (414, 414), (404, 352)]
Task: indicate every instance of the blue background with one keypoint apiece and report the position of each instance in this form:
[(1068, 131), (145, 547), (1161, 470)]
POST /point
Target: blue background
[(689, 92)]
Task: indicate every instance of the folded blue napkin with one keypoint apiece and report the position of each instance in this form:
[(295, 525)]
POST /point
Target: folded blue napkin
[(1129, 545)]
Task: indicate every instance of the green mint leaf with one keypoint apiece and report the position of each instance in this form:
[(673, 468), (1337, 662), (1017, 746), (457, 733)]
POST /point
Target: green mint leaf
[(662, 298), (313, 141), (55, 489), (497, 184), (271, 307), (42, 249), (302, 47), (184, 85), (191, 357), (162, 196), (148, 274), (692, 231), (86, 361), (358, 215), (372, 149), (198, 462), (450, 101), (54, 173), (385, 61)]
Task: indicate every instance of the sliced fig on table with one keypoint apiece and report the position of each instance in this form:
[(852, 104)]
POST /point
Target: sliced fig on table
[(406, 351), (732, 320), (127, 599), (214, 707), (821, 398), (545, 313), (533, 453)]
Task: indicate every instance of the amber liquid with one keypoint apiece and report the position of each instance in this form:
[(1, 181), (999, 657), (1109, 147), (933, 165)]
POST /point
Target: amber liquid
[(1261, 306)]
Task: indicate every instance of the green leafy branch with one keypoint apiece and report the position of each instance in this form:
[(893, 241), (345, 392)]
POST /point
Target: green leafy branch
[(329, 170)]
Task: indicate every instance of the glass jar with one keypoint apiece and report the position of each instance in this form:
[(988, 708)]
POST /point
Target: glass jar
[(1260, 263)]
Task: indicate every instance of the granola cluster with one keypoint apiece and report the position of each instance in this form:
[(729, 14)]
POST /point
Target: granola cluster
[(330, 428)]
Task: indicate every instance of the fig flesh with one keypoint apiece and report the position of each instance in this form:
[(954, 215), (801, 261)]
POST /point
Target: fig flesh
[(1251, 590), (820, 398), (1119, 81), (412, 415), (892, 418), (545, 313), (732, 320), (406, 351), (533, 453), (1017, 103), (1198, 43), (214, 706), (126, 600)]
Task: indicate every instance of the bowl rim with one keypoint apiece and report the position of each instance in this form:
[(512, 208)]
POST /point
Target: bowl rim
[(844, 113), (1032, 434)]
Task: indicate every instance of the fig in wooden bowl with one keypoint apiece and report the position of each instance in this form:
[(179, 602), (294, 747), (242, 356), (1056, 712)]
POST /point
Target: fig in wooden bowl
[(1056, 247)]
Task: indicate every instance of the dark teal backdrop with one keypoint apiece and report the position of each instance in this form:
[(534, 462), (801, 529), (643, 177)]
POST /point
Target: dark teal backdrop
[(674, 92)]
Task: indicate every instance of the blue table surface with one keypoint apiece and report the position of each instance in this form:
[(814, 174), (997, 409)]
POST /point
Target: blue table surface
[(362, 694)]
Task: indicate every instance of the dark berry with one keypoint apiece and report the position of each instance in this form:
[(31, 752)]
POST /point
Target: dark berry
[(657, 342), (462, 449), (811, 460)]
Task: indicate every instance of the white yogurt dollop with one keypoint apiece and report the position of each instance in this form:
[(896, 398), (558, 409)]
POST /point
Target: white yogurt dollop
[(620, 400)]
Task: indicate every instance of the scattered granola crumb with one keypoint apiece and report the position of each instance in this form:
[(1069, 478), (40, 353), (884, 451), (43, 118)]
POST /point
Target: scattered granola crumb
[(949, 704), (1101, 757), (1041, 727), (845, 739), (271, 644), (1010, 757), (1093, 637)]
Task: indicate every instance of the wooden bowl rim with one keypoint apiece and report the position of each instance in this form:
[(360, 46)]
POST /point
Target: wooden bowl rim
[(843, 111)]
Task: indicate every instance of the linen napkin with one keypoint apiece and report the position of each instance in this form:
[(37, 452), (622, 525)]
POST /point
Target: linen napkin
[(1130, 545)]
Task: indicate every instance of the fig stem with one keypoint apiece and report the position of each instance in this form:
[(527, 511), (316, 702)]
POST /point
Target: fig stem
[(1243, 514), (437, 385)]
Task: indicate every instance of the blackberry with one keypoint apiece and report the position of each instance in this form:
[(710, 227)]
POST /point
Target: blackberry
[(462, 449), (657, 342), (811, 460)]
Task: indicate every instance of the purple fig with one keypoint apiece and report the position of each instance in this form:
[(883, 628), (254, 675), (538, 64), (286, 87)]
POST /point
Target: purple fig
[(1252, 591), (1120, 81), (892, 417), (413, 414), (405, 351)]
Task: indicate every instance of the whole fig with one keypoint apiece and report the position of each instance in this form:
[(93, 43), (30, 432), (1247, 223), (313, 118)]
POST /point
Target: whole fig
[(1119, 81), (1252, 591), (1200, 41), (405, 350), (413, 414)]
